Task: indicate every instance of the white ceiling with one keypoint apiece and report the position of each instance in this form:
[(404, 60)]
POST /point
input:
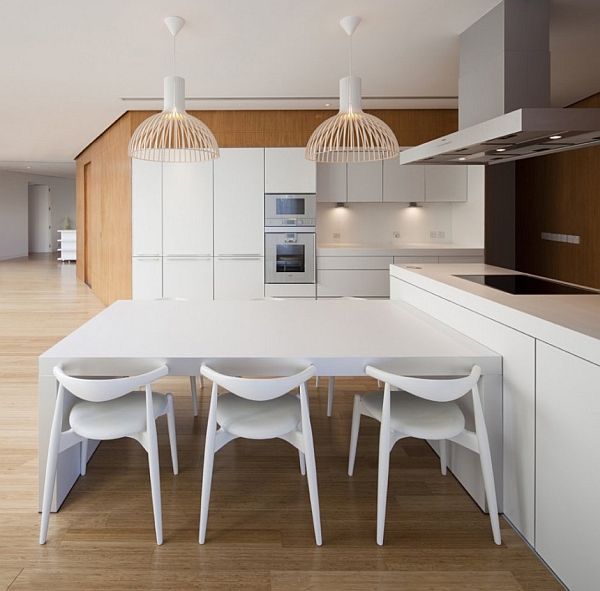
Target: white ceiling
[(67, 65)]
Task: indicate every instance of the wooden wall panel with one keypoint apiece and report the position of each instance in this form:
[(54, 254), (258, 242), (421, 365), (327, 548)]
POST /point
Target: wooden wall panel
[(560, 194), (110, 232)]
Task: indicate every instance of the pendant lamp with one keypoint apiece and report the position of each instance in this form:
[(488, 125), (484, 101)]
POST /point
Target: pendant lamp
[(352, 135), (173, 135)]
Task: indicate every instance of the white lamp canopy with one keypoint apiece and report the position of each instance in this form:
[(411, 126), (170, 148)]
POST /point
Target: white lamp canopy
[(173, 135), (352, 135)]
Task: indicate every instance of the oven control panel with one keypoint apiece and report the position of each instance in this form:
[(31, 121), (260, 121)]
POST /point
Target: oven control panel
[(283, 222)]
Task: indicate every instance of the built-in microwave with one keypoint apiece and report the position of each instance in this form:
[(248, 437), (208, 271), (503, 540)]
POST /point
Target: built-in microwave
[(289, 210)]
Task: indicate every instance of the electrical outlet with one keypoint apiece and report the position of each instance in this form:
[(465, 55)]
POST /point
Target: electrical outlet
[(432, 234), (396, 235), (441, 234), (337, 235)]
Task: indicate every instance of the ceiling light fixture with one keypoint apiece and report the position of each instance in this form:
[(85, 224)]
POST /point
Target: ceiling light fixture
[(555, 137), (173, 135), (352, 135)]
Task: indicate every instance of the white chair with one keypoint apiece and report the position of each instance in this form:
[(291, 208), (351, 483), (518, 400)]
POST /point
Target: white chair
[(259, 408), (110, 409), (424, 408)]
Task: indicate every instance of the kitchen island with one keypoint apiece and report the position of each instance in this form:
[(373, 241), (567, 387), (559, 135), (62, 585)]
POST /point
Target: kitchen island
[(551, 404)]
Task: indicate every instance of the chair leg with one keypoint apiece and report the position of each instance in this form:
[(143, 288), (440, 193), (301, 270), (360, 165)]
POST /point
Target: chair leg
[(172, 433), (354, 433), (201, 381), (48, 488), (330, 389), (84, 457), (313, 491), (382, 481), (195, 393), (444, 455), (317, 382), (207, 470), (490, 490), (155, 486), (302, 463)]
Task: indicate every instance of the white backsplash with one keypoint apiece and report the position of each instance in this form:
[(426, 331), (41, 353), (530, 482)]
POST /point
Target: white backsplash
[(376, 223)]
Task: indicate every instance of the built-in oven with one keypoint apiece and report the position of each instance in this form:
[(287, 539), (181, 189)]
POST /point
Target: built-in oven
[(290, 210), (290, 256)]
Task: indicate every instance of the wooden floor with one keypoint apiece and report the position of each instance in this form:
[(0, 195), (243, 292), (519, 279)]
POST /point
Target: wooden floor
[(260, 533)]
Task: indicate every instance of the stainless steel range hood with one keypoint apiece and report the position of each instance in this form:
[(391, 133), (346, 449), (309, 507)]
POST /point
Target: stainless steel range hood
[(504, 95), (523, 133)]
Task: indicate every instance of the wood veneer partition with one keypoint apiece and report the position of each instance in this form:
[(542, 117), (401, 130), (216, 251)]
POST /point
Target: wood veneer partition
[(560, 194), (108, 231)]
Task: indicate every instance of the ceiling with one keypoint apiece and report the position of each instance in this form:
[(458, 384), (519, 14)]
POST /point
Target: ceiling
[(70, 68)]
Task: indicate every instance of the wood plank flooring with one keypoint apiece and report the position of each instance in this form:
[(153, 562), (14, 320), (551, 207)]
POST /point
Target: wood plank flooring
[(260, 533)]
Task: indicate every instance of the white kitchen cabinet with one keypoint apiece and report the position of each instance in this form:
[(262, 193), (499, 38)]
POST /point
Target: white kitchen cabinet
[(189, 278), (187, 208), (332, 183), (288, 171), (146, 208), (365, 182), (567, 477), (360, 276), (445, 183), (416, 260), (239, 202), (146, 278), (404, 183), (239, 278)]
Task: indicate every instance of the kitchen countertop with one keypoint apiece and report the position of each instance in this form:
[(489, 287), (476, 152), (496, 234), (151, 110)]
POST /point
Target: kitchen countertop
[(570, 322), (398, 249)]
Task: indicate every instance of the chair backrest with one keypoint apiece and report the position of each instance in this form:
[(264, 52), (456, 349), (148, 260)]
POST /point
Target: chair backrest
[(226, 374), (101, 390), (439, 390)]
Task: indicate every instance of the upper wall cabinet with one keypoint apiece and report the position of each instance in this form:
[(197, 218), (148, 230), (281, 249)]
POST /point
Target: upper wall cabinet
[(332, 183), (288, 171), (445, 183), (403, 183), (146, 208), (365, 182)]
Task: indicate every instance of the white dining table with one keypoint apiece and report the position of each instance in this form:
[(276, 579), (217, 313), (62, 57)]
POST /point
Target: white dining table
[(340, 337)]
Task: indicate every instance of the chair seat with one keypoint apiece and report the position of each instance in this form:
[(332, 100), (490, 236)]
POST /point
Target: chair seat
[(116, 418), (263, 419), (417, 417)]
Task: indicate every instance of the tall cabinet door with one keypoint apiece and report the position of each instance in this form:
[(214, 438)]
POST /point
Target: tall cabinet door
[(146, 208), (239, 278), (188, 278), (146, 278), (239, 202), (188, 209)]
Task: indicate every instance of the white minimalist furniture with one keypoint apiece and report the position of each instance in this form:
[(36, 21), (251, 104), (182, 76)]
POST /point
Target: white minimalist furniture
[(109, 409), (67, 245), (259, 408), (426, 409), (338, 337)]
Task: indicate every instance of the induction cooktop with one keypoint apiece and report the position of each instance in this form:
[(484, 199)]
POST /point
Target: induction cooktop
[(527, 285)]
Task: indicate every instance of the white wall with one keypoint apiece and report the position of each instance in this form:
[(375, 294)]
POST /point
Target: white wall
[(14, 207), (375, 223)]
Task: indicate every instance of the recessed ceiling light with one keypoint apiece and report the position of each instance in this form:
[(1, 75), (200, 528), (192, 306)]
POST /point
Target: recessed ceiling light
[(463, 158), (328, 104), (501, 150), (555, 137)]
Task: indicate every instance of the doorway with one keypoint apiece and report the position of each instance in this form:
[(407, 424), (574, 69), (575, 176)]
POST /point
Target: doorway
[(40, 226)]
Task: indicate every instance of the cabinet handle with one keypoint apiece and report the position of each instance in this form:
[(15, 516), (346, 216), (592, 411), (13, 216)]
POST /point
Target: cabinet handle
[(146, 256), (188, 258), (244, 258), (240, 255)]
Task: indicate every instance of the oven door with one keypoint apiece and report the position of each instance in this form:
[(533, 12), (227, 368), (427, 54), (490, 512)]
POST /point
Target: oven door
[(290, 257)]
